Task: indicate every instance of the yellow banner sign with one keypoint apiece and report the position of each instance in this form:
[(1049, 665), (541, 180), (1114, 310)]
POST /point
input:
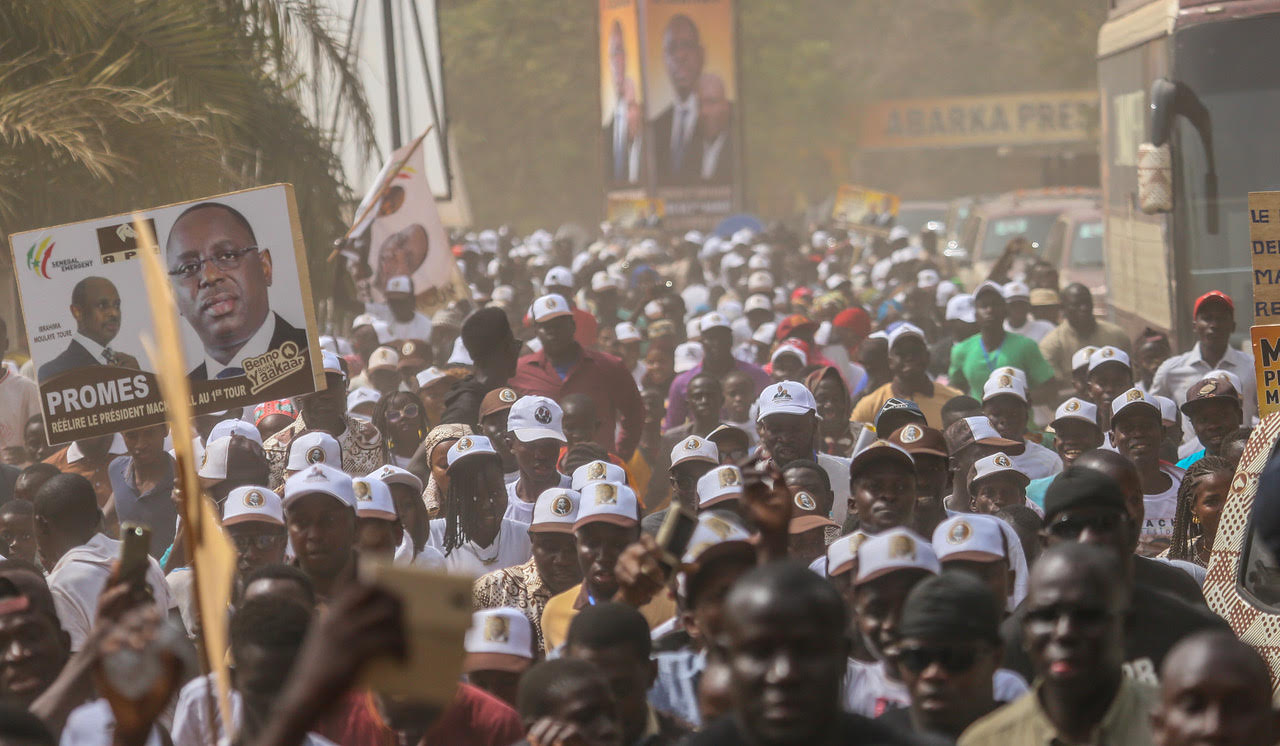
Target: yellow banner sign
[(1264, 244), (974, 121), (1266, 364), (857, 204)]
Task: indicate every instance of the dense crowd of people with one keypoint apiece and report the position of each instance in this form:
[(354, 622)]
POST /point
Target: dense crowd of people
[(758, 488)]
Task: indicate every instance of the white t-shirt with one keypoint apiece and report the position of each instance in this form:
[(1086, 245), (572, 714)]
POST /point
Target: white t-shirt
[(429, 558), (868, 690), (419, 327), (509, 548), (19, 402), (520, 511), (1033, 328), (1158, 510), (1037, 462), (191, 725), (94, 724), (78, 578)]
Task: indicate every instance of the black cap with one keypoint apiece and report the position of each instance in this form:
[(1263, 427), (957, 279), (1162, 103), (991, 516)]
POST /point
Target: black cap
[(895, 413), (484, 331), (953, 605), (1078, 487)]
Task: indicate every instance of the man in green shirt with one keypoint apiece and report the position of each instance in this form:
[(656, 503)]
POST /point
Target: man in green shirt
[(976, 358)]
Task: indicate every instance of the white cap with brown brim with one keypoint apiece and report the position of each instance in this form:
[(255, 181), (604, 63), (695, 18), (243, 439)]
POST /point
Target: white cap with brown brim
[(970, 536), (319, 479), (895, 550), (597, 471), (996, 465), (555, 511), (390, 475), (373, 499), (315, 447), (499, 640), (607, 502), (694, 448), (720, 485), (252, 503)]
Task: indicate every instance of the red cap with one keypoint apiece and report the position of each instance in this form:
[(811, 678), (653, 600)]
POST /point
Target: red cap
[(1213, 295), (793, 323), (855, 320), (801, 293)]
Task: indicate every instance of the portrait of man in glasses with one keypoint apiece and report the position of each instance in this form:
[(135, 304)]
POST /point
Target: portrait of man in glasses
[(220, 278), (95, 306)]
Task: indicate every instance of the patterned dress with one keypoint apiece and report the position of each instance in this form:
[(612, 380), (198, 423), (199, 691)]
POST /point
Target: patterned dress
[(519, 587), (361, 446)]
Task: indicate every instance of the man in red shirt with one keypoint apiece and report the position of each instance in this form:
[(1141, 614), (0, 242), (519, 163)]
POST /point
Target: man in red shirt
[(564, 367)]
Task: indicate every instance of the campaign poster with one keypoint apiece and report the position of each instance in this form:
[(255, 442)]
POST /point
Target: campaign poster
[(865, 206), (405, 235), (692, 106), (621, 94), (237, 266)]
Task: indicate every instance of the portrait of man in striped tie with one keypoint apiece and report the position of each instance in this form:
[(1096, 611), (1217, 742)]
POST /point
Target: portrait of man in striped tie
[(95, 306)]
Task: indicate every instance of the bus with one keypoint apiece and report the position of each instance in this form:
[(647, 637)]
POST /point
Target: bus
[(1195, 77)]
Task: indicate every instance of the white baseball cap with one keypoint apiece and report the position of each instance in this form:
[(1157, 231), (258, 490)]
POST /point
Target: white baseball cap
[(549, 307), (1134, 397), (597, 471), (1003, 384), (536, 418), (694, 448), (1075, 409), (842, 554), (390, 475), (627, 332), (384, 358), (227, 428), (1108, 354), (364, 319), (946, 291), (555, 511), (961, 308), (315, 447), (653, 310), (1080, 358), (693, 329), (713, 320), (969, 536), (788, 349), (903, 330), (601, 281), (319, 479), (719, 485), (688, 356), (362, 395), (988, 287), (715, 532), (835, 281), (759, 262), (759, 281), (498, 640), (892, 551), (468, 446), (1016, 291), (332, 363), (757, 302), (429, 376), (1009, 370), (373, 499), (400, 284), (607, 502), (252, 503), (213, 461), (786, 397), (928, 278), (559, 277), (765, 333), (997, 464)]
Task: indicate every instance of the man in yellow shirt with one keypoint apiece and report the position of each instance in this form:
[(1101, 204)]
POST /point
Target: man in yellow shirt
[(608, 522), (908, 358)]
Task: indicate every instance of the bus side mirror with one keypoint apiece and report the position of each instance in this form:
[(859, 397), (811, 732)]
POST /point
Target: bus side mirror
[(1163, 98), (1155, 178)]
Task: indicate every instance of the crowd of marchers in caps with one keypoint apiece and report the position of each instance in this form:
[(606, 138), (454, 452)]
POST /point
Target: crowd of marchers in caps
[(758, 488)]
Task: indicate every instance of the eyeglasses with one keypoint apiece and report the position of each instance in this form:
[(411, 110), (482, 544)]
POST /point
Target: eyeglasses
[(953, 658), (257, 541), (224, 259), (1070, 527), (395, 415)]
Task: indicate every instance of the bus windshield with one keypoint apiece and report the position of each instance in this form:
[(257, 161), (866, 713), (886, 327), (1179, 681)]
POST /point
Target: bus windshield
[(1228, 67), (1003, 229), (1086, 245)]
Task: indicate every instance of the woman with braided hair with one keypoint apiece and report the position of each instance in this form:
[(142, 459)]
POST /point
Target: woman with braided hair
[(1201, 497), (473, 535), (402, 420)]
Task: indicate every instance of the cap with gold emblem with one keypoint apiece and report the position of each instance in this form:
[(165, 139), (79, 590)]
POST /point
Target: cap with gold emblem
[(499, 640), (807, 514), (498, 400), (880, 451), (842, 554), (1134, 400), (597, 471), (555, 511), (549, 307), (252, 503), (993, 466), (919, 440), (1080, 358), (320, 479), (717, 532), (1074, 409), (315, 447), (373, 499), (1004, 384), (608, 502), (1108, 355), (694, 448), (969, 536), (390, 474), (469, 446), (719, 485), (414, 354), (895, 550), (1208, 389)]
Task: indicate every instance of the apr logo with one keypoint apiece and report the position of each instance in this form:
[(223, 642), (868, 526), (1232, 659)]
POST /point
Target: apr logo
[(38, 256)]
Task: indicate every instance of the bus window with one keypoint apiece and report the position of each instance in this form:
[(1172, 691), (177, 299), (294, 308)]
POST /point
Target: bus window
[(1000, 231), (1086, 246)]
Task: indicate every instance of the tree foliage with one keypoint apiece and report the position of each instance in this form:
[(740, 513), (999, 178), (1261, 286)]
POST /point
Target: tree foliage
[(108, 105)]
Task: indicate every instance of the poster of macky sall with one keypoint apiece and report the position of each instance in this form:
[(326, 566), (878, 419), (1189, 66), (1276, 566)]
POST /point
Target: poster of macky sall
[(237, 268)]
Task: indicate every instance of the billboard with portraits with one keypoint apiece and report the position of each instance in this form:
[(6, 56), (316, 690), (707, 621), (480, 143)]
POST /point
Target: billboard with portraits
[(237, 267), (621, 95)]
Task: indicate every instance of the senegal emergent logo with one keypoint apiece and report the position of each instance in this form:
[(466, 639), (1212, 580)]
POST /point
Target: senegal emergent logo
[(38, 256)]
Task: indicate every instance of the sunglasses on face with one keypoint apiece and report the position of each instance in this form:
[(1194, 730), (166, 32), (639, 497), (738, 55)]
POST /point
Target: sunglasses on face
[(408, 413), (1071, 526), (952, 658)]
